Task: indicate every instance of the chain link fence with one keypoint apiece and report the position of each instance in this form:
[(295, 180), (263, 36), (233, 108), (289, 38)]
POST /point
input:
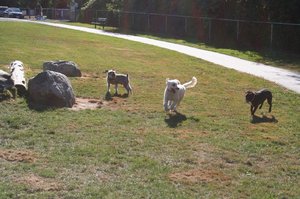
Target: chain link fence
[(219, 32), (225, 33)]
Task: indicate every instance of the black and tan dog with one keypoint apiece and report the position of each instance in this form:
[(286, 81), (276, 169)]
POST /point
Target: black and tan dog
[(257, 98), (7, 87)]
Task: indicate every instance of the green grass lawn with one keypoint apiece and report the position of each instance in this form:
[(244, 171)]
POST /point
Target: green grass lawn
[(133, 149)]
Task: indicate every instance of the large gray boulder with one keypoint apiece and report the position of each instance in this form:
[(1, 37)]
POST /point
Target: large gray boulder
[(52, 89), (68, 68)]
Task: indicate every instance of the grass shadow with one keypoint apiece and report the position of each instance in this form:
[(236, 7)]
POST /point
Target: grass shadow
[(109, 97), (263, 119), (39, 107), (174, 120), (43, 106), (4, 97)]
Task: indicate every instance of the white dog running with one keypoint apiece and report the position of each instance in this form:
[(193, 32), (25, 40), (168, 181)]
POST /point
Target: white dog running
[(174, 93)]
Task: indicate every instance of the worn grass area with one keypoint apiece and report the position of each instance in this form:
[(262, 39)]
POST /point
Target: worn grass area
[(212, 150)]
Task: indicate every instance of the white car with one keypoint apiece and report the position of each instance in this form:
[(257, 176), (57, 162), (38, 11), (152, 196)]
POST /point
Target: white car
[(2, 9), (13, 12)]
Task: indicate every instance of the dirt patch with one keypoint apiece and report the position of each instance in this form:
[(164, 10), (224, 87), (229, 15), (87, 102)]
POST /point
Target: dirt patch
[(90, 75), (92, 104), (86, 103), (198, 175), (37, 183), (17, 156)]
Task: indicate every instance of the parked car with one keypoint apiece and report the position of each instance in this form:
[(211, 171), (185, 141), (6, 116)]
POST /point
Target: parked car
[(2, 9), (13, 12)]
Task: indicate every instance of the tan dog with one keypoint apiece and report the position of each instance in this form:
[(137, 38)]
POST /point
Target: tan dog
[(114, 78)]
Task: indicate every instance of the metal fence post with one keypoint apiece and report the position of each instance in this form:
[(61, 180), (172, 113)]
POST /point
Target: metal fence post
[(166, 24), (119, 20), (148, 22), (237, 30), (271, 36), (132, 21), (209, 30), (185, 25)]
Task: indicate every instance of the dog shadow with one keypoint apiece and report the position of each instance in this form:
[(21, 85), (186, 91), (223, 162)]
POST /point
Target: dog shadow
[(263, 119), (109, 97), (175, 119)]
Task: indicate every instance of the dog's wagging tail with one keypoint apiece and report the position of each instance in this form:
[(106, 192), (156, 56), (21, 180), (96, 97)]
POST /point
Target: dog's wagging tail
[(191, 83)]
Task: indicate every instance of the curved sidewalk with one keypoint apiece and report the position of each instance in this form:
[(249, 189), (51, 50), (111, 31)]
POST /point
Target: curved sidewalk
[(283, 77)]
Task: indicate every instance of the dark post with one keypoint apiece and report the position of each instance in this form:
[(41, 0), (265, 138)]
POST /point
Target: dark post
[(185, 25), (237, 30), (271, 37), (166, 24), (209, 30), (148, 22), (119, 14)]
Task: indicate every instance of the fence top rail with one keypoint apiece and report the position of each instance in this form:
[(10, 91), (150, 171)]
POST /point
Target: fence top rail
[(205, 18)]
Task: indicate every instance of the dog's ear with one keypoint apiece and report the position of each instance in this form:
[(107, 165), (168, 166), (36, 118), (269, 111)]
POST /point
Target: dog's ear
[(6, 76), (12, 70), (105, 71), (12, 63)]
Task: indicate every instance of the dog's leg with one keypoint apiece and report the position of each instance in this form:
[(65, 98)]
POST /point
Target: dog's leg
[(166, 106), (116, 89), (261, 104), (253, 109), (173, 106), (166, 102), (269, 100), (176, 102), (128, 88), (108, 87)]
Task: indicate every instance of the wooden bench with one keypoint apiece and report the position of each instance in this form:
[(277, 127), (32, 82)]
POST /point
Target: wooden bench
[(99, 22)]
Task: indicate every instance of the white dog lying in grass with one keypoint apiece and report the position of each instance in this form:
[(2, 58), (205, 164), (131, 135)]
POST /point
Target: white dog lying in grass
[(174, 93)]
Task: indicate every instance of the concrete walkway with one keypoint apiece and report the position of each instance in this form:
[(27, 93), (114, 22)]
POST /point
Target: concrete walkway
[(283, 77)]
